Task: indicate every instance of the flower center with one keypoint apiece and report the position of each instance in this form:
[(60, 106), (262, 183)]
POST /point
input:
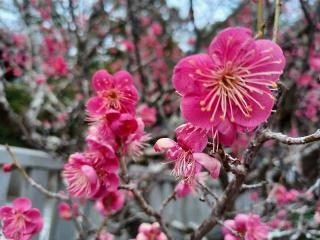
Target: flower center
[(113, 97), (185, 166)]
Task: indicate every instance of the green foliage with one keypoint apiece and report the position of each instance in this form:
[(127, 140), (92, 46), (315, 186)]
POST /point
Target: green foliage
[(18, 97)]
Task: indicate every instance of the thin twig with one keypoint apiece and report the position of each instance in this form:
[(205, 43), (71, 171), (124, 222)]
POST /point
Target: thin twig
[(171, 197), (260, 19), (276, 20), (31, 181)]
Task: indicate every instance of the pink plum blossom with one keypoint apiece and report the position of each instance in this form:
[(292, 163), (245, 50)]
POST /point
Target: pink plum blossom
[(149, 231), (113, 93), (230, 84), (249, 226), (187, 154), (148, 114), (20, 221), (90, 174), (66, 212), (283, 196), (110, 202), (105, 236)]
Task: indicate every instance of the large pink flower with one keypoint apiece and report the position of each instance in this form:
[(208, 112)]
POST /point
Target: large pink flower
[(187, 154), (20, 221), (249, 226), (230, 83), (113, 92)]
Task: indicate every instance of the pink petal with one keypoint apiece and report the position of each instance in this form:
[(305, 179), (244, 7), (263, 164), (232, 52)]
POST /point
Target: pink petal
[(190, 137), (5, 212), (209, 163), (185, 76), (273, 66), (182, 189), (231, 45), (164, 144), (21, 204), (102, 80), (90, 173), (96, 106), (258, 115), (123, 78)]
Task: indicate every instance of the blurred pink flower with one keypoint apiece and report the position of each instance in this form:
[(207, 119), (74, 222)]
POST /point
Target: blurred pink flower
[(304, 79), (110, 202), (187, 154), (105, 236), (283, 196), (20, 221), (66, 212), (149, 231), (148, 114), (156, 29), (249, 226), (230, 84)]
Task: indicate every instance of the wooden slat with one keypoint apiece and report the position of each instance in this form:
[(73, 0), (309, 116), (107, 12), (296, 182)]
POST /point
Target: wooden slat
[(30, 158), (5, 182)]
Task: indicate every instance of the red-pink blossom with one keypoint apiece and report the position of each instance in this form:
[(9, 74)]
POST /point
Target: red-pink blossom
[(90, 174), (149, 231), (283, 196), (20, 221), (187, 154), (148, 114), (66, 212), (249, 226), (113, 93), (231, 83), (110, 202)]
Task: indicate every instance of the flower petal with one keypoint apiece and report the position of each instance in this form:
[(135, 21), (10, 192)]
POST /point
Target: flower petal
[(258, 114), (5, 212), (96, 106), (190, 137), (209, 163), (22, 204), (164, 144), (231, 45), (102, 80), (185, 78), (191, 111)]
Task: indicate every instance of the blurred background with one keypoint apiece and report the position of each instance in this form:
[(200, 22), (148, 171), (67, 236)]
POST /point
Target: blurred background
[(50, 49)]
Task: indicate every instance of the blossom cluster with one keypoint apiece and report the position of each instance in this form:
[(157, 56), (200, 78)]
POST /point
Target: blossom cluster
[(114, 132)]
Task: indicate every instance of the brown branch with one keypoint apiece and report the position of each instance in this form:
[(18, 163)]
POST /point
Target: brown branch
[(31, 181), (291, 140)]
